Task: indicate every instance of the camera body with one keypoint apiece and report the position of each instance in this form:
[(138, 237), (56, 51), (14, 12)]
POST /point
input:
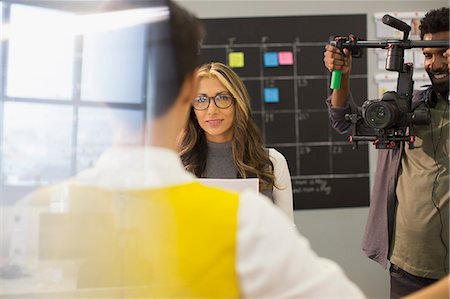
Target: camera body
[(392, 117), (392, 120), (385, 113)]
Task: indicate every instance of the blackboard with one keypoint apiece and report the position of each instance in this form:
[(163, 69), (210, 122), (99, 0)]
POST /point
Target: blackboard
[(326, 172)]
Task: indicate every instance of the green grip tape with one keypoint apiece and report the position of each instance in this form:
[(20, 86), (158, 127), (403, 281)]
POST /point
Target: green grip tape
[(336, 79)]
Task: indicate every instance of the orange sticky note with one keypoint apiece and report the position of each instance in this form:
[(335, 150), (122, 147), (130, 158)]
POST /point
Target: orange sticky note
[(285, 58), (236, 59)]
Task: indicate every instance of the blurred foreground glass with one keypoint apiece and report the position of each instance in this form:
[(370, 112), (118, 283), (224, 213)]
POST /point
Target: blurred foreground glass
[(76, 78)]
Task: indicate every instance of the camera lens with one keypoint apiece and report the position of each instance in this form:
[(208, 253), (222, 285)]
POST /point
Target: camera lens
[(379, 115)]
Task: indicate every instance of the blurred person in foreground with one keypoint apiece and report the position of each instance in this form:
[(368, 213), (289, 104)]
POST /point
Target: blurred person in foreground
[(138, 224)]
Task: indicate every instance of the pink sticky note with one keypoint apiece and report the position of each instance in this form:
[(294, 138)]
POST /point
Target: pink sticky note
[(285, 58)]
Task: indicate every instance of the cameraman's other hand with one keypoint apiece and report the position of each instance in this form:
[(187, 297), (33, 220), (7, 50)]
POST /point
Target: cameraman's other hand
[(334, 59), (447, 54)]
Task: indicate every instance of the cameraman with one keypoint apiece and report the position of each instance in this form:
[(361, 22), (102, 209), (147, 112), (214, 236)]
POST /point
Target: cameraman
[(408, 219)]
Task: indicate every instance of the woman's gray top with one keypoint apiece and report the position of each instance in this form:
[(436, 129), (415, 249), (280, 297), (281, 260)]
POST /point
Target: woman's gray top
[(220, 163)]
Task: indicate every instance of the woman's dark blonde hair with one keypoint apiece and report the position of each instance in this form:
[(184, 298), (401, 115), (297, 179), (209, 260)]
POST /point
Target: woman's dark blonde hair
[(249, 155)]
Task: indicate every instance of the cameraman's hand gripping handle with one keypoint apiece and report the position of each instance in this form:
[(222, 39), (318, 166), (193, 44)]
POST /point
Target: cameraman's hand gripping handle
[(336, 75), (349, 43)]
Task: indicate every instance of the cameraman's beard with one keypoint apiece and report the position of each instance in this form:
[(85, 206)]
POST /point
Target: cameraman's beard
[(439, 85)]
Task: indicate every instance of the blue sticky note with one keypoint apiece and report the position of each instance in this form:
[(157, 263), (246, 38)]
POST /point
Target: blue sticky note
[(271, 95), (271, 59)]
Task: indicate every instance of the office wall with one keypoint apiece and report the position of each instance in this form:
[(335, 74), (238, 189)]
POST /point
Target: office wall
[(333, 233)]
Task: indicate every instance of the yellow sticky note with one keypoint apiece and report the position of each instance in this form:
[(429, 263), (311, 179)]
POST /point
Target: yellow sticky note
[(236, 59)]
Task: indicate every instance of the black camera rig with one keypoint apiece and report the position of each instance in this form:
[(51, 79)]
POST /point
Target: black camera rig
[(391, 117)]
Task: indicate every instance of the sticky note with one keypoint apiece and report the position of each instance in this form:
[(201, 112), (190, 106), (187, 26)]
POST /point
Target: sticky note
[(236, 59), (286, 58), (271, 59), (271, 95)]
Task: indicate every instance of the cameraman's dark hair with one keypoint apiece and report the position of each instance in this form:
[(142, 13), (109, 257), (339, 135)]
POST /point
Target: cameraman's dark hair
[(436, 20)]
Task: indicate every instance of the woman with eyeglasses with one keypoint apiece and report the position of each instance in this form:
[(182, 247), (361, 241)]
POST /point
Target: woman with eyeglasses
[(221, 139)]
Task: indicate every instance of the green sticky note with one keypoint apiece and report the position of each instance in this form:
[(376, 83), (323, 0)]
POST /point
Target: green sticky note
[(236, 59)]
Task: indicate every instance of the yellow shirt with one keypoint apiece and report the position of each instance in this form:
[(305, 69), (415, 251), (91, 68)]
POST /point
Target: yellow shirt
[(151, 243)]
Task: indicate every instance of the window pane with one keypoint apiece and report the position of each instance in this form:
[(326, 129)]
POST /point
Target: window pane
[(98, 128), (36, 143), (113, 66), (39, 65)]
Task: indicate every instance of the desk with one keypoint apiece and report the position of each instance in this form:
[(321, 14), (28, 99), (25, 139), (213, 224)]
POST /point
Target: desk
[(111, 293), (60, 280), (46, 277)]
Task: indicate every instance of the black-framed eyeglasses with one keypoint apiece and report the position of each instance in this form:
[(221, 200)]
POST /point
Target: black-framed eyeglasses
[(222, 101)]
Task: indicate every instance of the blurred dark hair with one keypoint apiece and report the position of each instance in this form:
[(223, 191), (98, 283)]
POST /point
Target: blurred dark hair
[(171, 64), (436, 20), (170, 61), (187, 35)]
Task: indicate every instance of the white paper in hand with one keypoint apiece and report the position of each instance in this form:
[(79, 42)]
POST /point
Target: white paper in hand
[(238, 185)]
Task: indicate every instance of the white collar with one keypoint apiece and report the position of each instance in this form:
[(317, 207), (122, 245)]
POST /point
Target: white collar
[(136, 167)]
